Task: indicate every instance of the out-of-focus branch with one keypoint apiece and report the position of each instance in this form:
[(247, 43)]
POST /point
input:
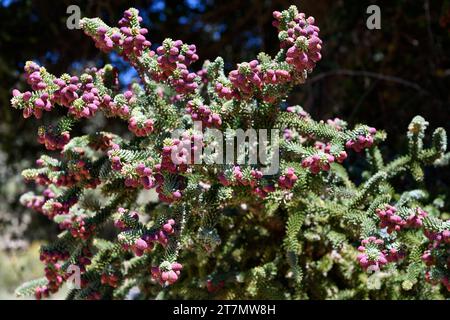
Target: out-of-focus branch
[(358, 73)]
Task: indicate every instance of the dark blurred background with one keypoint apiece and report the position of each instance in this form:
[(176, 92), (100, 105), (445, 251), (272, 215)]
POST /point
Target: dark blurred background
[(379, 77)]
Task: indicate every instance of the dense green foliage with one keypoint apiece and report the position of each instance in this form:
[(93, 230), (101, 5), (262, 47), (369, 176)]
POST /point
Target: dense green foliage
[(236, 234)]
